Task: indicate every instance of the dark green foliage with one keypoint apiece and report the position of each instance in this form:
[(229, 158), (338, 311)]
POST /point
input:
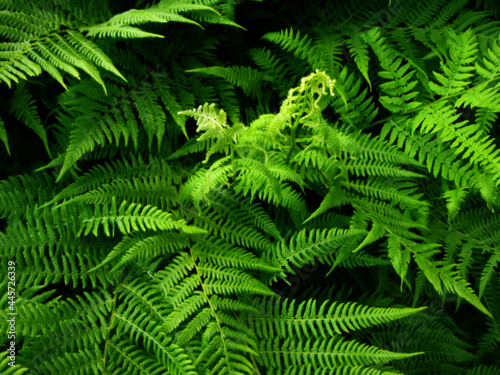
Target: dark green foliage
[(250, 187)]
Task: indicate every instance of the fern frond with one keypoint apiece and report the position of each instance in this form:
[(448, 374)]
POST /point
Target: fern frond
[(163, 12), (401, 194), (209, 120), (429, 150), (324, 353), (399, 255), (291, 41), (143, 246), (303, 247), (91, 51), (483, 370), (94, 119), (203, 181), (339, 370), (214, 220), (37, 47), (249, 79), (131, 217), (400, 94), (389, 216), (454, 199), (444, 275), (353, 104), (477, 148), (118, 31), (283, 319), (151, 114), (334, 198), (25, 190), (359, 50), (25, 111), (223, 254), (196, 295), (459, 67), (131, 322), (244, 210), (133, 167)]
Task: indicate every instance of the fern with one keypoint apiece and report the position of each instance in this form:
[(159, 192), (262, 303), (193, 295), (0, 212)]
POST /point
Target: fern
[(131, 217), (246, 187)]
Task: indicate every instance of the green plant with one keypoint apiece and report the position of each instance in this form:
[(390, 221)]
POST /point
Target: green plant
[(169, 218)]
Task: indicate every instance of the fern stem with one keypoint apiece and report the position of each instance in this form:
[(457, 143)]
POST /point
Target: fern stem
[(233, 176), (294, 131), (106, 345), (255, 367), (292, 143)]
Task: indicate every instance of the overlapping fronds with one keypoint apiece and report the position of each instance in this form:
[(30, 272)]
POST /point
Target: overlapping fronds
[(226, 187)]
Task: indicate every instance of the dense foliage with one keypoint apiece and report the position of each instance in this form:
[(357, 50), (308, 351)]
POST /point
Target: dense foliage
[(250, 187)]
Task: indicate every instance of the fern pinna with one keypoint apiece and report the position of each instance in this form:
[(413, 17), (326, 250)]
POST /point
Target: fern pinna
[(247, 187)]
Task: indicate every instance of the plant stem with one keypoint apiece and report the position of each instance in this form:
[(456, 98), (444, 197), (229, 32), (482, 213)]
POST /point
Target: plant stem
[(292, 135)]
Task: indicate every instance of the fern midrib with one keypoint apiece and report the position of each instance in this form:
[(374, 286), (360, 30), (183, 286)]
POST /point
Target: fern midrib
[(455, 73), (152, 307), (153, 339), (252, 357), (336, 354), (230, 232), (326, 319), (316, 244), (295, 127), (131, 359), (214, 313), (108, 327)]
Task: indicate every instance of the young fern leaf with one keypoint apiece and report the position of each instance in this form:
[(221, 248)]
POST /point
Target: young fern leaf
[(214, 124)]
